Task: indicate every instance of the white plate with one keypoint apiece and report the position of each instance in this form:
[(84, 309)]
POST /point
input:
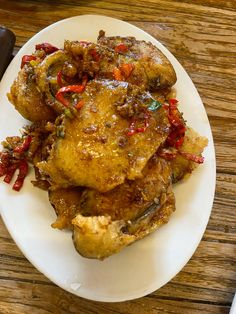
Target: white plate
[(144, 266)]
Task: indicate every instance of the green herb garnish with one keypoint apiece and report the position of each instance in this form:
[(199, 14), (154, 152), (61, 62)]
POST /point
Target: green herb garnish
[(154, 105)]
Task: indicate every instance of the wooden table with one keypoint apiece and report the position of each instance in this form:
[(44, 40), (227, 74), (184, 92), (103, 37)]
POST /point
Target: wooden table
[(202, 35)]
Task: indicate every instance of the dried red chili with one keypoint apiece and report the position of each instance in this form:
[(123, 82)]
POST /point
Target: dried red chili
[(133, 129), (79, 104), (46, 47), (24, 146), (177, 125), (26, 59), (68, 89), (4, 162), (126, 69), (180, 141), (95, 55), (168, 155), (121, 48), (192, 157), (23, 170), (13, 159), (123, 72), (3, 170), (10, 172), (59, 79), (5, 158)]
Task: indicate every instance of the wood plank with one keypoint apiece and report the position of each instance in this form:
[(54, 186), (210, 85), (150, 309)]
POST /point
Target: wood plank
[(34, 297)]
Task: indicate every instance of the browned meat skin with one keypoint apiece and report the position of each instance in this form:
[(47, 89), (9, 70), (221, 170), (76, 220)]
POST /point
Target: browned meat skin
[(130, 199), (27, 99), (96, 152), (33, 92), (66, 204), (151, 69), (103, 66), (100, 236), (110, 221), (159, 71)]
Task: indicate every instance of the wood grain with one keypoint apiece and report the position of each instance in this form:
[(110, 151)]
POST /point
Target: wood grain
[(202, 36)]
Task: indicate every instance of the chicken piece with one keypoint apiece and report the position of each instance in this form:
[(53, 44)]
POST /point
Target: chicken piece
[(66, 204), (193, 144), (27, 99), (97, 150), (159, 71), (107, 222), (142, 64)]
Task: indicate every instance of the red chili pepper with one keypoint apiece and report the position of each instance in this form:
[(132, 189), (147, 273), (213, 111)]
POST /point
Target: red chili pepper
[(117, 74), (59, 78), (3, 170), (126, 69), (170, 155), (10, 172), (95, 55), (179, 142), (133, 129), (26, 59), (173, 102), (46, 47), (24, 146), (167, 155), (23, 170), (5, 159), (192, 157), (68, 89), (79, 104), (121, 48), (177, 125), (123, 72)]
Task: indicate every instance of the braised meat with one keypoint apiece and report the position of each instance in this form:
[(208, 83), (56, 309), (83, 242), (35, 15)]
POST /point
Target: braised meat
[(130, 199), (66, 203), (104, 223), (34, 91), (157, 68), (141, 64), (109, 221), (107, 139), (98, 149), (27, 99)]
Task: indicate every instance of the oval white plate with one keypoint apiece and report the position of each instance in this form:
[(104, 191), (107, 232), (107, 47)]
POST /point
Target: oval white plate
[(146, 265)]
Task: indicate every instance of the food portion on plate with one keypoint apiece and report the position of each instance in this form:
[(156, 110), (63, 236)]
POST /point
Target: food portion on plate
[(106, 138)]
